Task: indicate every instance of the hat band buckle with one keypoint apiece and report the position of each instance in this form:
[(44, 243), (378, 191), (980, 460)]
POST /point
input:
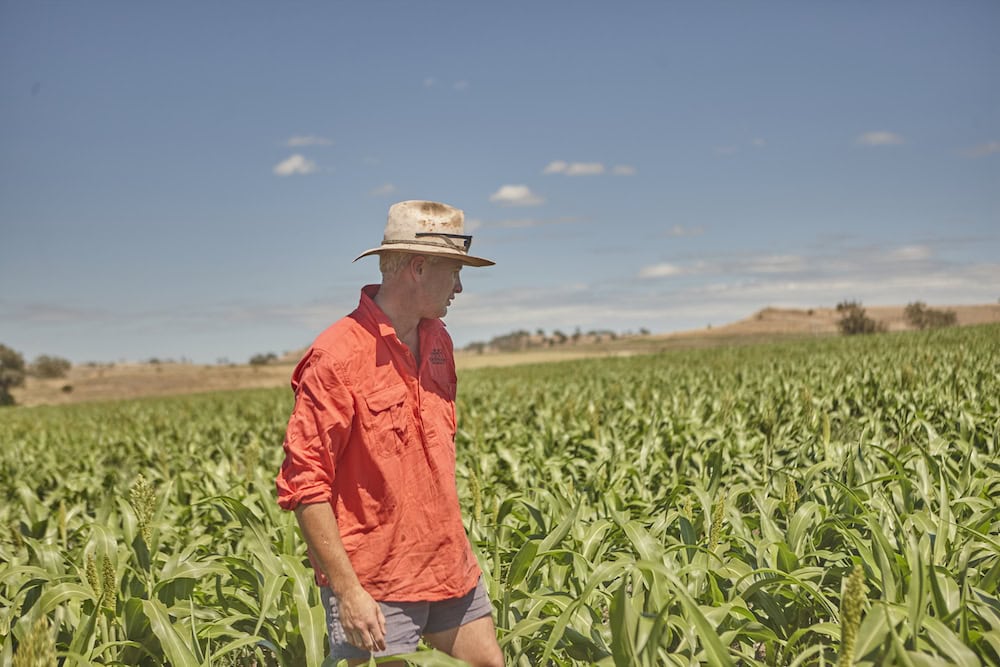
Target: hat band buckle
[(446, 240)]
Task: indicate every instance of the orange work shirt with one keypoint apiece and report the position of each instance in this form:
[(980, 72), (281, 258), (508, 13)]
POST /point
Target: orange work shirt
[(373, 434)]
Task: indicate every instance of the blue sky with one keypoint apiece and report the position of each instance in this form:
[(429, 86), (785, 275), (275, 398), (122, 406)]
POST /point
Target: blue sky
[(192, 180)]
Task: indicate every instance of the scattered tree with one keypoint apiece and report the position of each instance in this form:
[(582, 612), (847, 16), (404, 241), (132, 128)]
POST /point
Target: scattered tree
[(522, 339), (512, 342), (47, 367), (854, 319), (922, 317), (11, 373), (263, 359)]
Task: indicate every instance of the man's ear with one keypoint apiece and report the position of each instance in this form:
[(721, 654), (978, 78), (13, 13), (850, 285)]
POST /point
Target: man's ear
[(416, 265)]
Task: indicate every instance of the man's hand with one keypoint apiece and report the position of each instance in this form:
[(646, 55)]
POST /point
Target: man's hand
[(360, 616), (362, 619)]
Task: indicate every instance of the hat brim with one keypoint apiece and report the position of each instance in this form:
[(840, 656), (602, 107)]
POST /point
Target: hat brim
[(418, 249)]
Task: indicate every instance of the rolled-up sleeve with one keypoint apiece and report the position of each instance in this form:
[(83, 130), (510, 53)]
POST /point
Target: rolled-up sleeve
[(318, 429)]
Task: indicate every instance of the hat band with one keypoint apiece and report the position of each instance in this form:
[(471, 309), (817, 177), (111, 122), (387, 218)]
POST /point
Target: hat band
[(446, 242)]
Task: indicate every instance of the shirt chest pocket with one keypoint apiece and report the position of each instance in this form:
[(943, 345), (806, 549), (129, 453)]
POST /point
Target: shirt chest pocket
[(438, 405), (388, 420)]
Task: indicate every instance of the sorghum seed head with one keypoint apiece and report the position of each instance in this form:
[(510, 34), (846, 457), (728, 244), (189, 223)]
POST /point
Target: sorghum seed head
[(143, 500), (109, 596), (851, 606), (91, 572), (38, 648), (718, 513)]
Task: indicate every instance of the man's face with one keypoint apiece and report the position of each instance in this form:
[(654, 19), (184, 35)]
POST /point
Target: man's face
[(440, 285)]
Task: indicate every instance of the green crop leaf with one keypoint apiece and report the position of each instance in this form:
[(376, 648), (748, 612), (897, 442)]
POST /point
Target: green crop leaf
[(521, 563), (311, 616), (175, 647)]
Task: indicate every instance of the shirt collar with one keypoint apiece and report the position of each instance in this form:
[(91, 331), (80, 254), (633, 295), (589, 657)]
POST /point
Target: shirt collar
[(373, 313), (376, 315)]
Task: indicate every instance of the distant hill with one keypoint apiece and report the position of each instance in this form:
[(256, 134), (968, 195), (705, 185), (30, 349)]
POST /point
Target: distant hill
[(824, 320), (766, 322), (766, 325), (119, 381)]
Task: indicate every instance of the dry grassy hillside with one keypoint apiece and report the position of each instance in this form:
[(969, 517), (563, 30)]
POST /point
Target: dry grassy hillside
[(117, 381), (824, 320)]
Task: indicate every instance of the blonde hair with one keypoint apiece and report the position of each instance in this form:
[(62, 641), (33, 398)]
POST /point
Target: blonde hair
[(391, 262)]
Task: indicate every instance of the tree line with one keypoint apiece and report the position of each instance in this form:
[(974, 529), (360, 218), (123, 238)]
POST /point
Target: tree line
[(855, 320), (13, 370)]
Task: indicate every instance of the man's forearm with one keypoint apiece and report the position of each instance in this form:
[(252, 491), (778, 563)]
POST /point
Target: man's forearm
[(319, 527), (360, 615)]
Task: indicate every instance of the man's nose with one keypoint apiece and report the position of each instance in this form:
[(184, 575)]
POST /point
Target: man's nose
[(458, 284)]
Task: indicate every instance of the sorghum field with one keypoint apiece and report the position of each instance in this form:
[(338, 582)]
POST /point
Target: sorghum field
[(813, 503)]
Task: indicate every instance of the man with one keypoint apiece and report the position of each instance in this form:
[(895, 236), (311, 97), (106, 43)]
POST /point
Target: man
[(370, 456)]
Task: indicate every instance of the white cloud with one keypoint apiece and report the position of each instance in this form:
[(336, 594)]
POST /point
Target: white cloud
[(516, 195), (51, 314), (383, 190), (661, 271), (720, 292), (879, 138), (911, 253), (429, 82), (688, 295), (776, 264), (726, 150), (461, 85), (982, 150), (585, 169), (854, 264), (556, 167), (310, 140), (623, 170), (758, 143), (680, 231), (574, 168), (296, 164), (801, 268)]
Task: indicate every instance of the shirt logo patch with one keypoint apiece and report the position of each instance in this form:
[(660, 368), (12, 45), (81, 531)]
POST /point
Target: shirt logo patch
[(437, 357)]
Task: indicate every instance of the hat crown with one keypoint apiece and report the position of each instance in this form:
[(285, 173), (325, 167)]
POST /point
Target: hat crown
[(409, 218), (429, 228)]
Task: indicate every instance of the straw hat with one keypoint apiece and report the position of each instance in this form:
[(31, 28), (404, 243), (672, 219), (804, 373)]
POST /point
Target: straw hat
[(427, 228)]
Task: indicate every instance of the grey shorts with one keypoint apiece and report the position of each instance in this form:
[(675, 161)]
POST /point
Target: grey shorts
[(406, 622)]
